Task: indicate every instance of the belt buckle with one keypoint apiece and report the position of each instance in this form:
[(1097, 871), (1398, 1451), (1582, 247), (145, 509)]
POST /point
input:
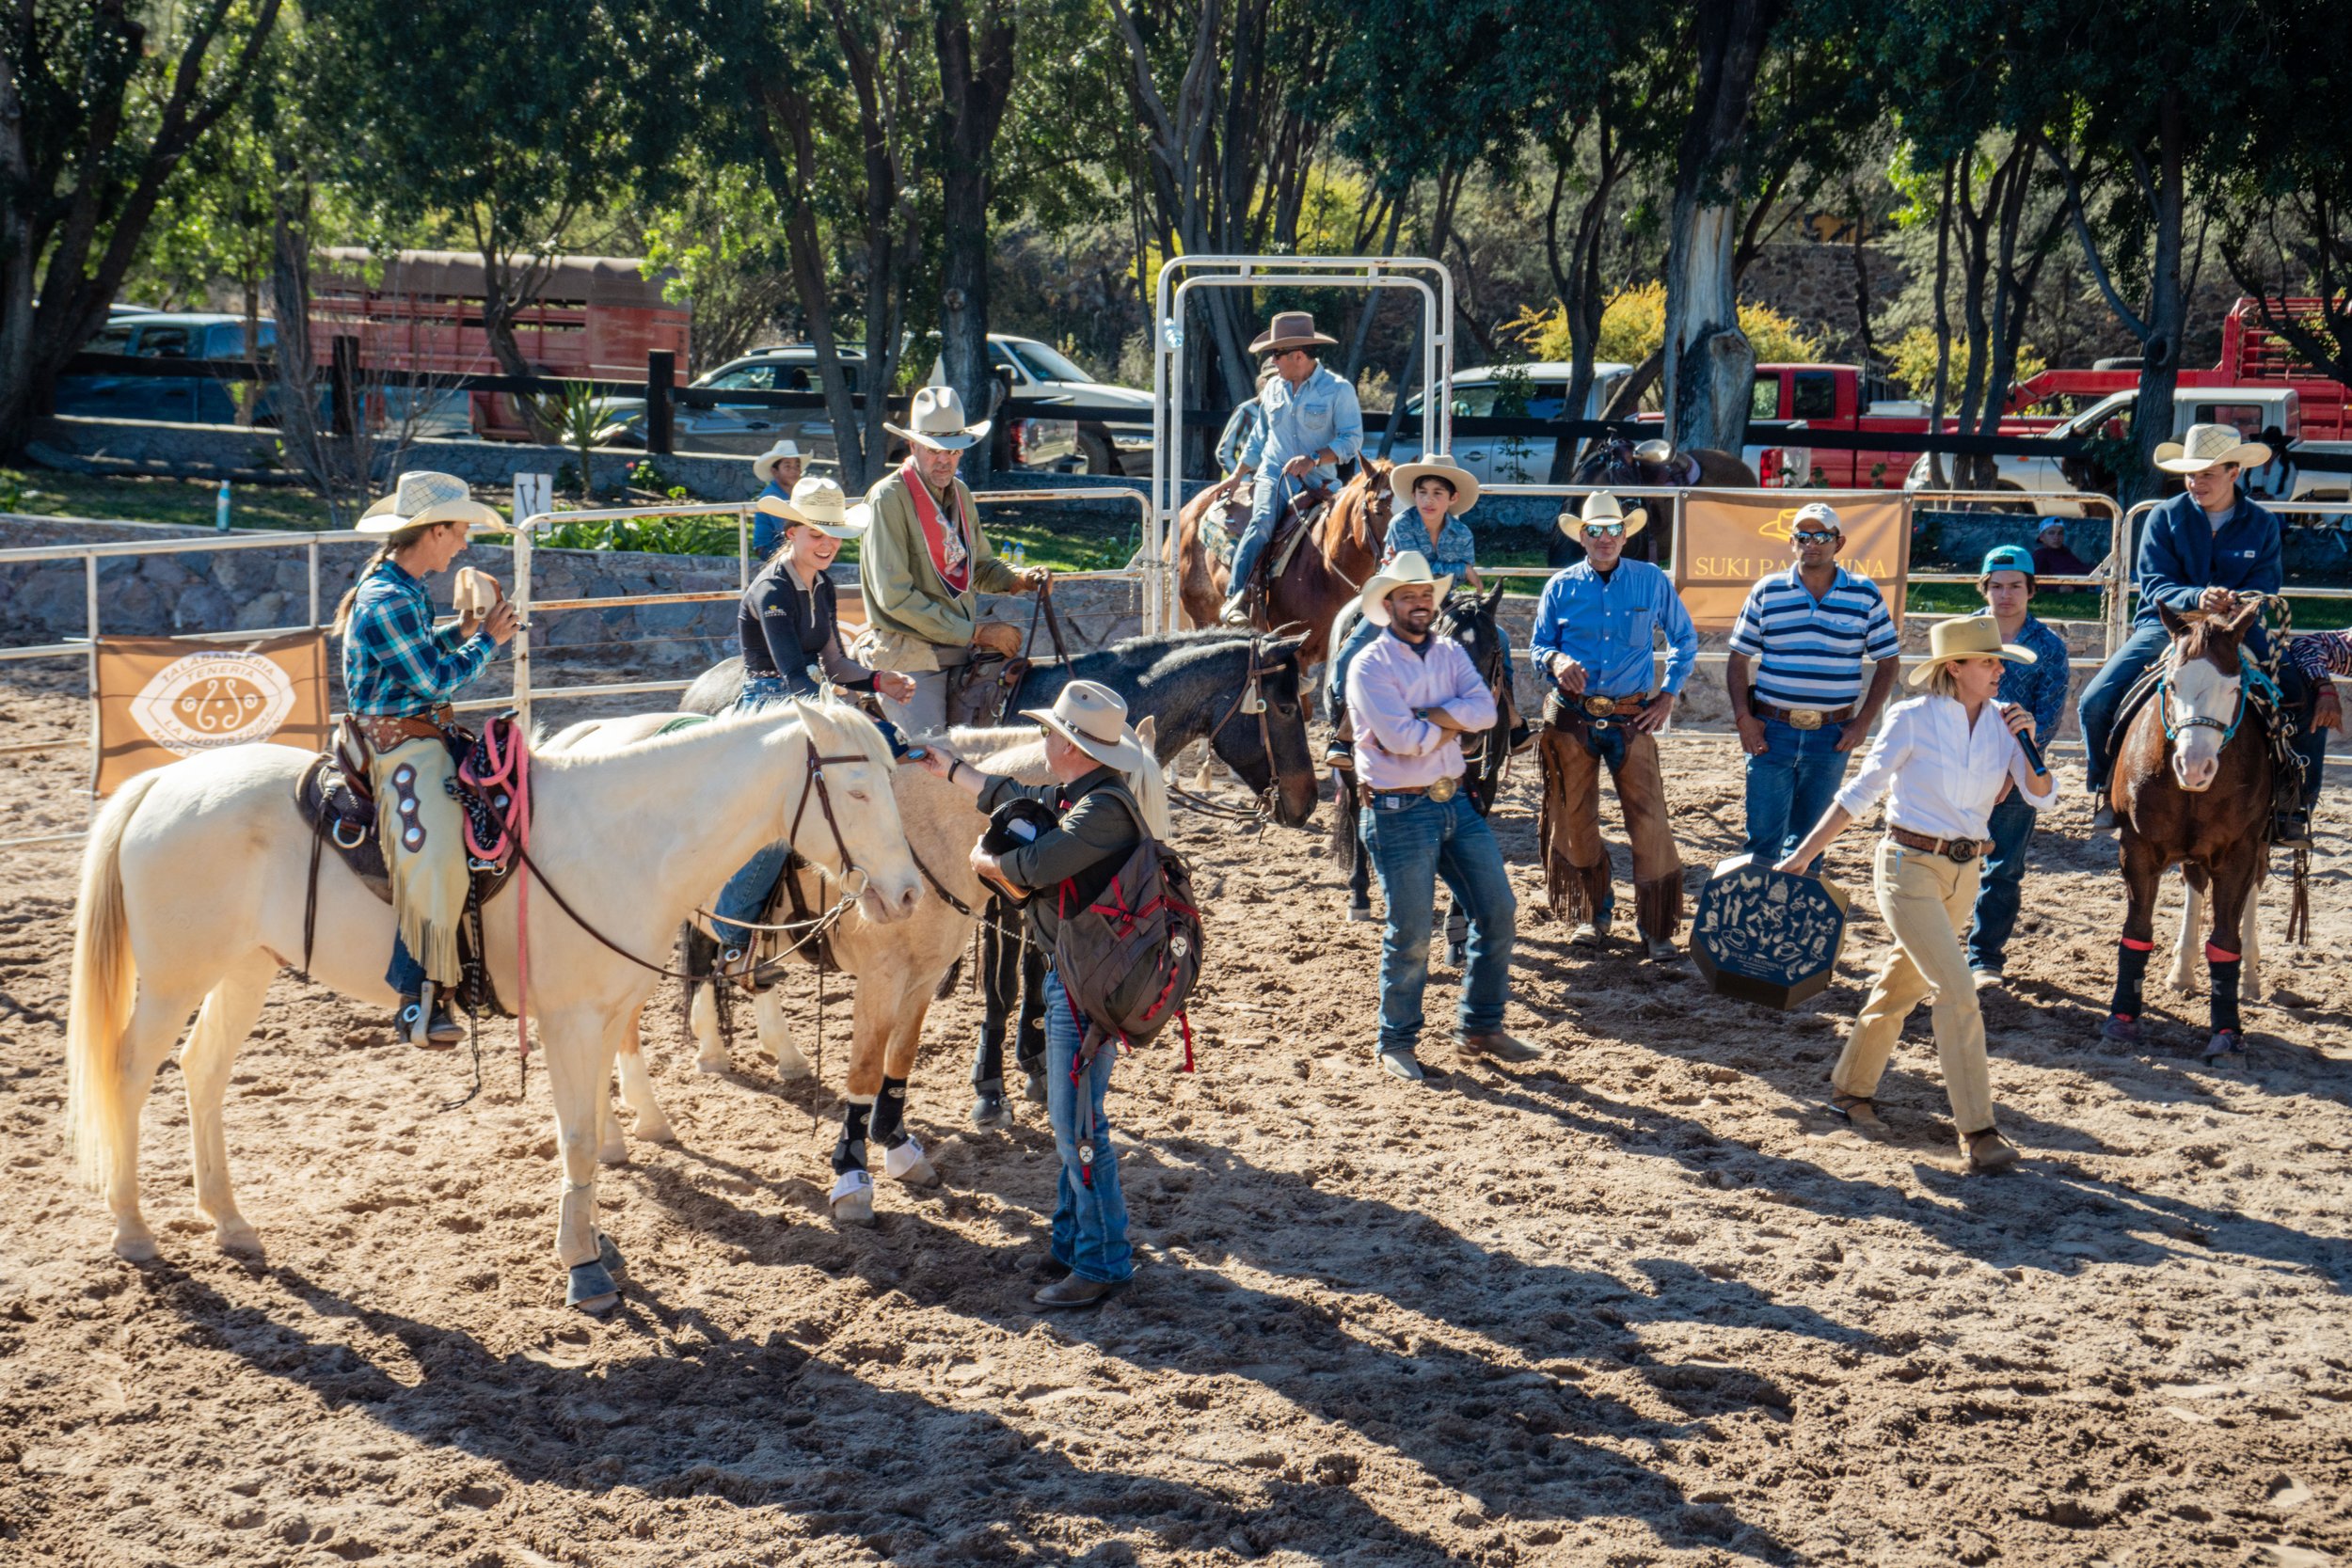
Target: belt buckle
[(1806, 718), (1959, 851), (1443, 789), (1600, 707)]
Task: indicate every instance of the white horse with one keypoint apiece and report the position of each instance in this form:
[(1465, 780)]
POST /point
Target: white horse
[(193, 887)]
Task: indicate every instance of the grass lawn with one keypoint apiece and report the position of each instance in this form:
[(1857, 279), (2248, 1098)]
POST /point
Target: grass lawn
[(140, 499)]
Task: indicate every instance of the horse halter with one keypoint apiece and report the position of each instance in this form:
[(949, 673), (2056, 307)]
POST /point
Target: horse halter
[(1251, 700), (2175, 729)]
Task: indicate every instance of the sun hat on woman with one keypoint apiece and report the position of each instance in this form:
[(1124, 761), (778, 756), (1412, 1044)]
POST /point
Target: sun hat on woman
[(1966, 637), (819, 502), (420, 499)]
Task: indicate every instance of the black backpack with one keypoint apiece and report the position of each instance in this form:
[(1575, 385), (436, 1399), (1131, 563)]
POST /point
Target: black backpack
[(1130, 957)]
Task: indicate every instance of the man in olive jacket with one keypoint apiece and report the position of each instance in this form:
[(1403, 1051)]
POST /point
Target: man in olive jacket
[(924, 564)]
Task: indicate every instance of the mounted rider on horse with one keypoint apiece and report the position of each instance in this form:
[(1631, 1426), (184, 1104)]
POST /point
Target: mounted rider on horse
[(1313, 425)]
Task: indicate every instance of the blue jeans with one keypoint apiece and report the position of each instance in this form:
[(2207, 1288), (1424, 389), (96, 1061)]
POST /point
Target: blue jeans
[(748, 891), (1413, 841), (1273, 493), (1090, 1221), (407, 975), (2004, 872), (2105, 693), (1790, 787)]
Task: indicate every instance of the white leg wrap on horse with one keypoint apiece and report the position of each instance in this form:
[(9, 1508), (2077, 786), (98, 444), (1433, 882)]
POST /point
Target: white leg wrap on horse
[(897, 1162), (703, 1016), (851, 1183)]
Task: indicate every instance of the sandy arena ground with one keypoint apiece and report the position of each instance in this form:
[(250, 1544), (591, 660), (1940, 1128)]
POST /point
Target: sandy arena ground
[(1644, 1302)]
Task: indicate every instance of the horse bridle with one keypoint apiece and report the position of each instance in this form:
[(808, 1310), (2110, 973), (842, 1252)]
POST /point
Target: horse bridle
[(1250, 689), (2173, 730)]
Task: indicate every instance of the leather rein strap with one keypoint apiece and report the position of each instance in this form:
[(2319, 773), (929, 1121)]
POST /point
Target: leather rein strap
[(1042, 609)]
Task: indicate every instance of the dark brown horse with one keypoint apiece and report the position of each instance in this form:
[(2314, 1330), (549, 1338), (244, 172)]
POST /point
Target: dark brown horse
[(1613, 461), (1326, 571), (2192, 787)]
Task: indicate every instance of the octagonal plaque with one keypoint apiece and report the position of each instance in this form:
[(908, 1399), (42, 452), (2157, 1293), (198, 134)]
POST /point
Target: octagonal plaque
[(1767, 936)]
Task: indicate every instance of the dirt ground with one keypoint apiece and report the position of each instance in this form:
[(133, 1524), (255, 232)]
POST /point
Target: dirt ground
[(1644, 1301)]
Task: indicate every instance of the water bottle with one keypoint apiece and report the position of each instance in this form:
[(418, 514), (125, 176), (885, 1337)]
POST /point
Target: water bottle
[(1020, 557), (220, 508)]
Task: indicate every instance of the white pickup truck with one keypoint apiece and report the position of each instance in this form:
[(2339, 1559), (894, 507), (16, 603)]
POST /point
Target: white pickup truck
[(2252, 409)]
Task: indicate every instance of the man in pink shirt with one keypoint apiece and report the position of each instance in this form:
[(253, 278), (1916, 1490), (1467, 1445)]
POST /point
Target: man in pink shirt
[(1413, 695)]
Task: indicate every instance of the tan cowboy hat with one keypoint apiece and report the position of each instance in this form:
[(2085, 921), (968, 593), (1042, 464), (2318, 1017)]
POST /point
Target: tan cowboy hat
[(818, 503), (1654, 451), (1966, 637), (2206, 445), (1292, 329), (1409, 569), (1602, 507), (936, 421), (422, 498), (764, 466), (1406, 475), (1091, 716)]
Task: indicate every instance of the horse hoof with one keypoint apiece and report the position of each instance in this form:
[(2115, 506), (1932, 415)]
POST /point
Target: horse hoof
[(655, 1133), (135, 1242), (591, 1289), (853, 1199), (239, 1238), (2125, 1029), (1034, 1089), (907, 1163), (717, 1066), (989, 1110), (793, 1071), (1457, 957)]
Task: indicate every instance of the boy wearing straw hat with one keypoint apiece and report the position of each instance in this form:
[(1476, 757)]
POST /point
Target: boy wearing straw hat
[(924, 563), (399, 674), (1313, 424), (1941, 760), (1414, 695), (778, 469)]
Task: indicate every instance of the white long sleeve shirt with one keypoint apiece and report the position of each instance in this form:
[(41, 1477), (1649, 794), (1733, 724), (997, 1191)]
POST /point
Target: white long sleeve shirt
[(1388, 682), (1940, 775)]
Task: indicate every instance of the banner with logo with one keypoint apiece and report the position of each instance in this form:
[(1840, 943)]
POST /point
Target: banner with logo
[(1730, 541), (159, 700)]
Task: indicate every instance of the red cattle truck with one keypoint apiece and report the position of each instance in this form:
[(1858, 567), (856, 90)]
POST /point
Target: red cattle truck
[(2251, 356)]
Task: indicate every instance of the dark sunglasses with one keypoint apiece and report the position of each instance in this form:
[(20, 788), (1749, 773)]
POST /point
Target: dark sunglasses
[(1603, 531), (1814, 535)]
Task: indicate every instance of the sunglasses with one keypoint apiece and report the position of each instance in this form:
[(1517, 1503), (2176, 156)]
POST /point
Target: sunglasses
[(1604, 531), (1814, 535)]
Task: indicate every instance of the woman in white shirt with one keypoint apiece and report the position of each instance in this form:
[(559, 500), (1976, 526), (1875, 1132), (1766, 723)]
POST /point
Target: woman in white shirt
[(1942, 761)]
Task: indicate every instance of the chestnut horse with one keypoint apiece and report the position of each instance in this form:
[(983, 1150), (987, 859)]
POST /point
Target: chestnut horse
[(2192, 787), (1326, 571)]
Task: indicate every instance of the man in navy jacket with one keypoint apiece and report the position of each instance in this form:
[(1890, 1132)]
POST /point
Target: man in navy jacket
[(2197, 551)]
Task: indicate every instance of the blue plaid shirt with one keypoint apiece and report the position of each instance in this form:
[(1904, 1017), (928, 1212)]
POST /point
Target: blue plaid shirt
[(395, 665), (2039, 688), (1454, 554)]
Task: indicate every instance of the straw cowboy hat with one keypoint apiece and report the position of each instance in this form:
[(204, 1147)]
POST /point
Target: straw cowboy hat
[(936, 421), (1966, 637), (1292, 329), (1602, 507), (1654, 451), (420, 499), (1406, 475), (1409, 569), (764, 466), (818, 503), (2206, 445), (1091, 716)]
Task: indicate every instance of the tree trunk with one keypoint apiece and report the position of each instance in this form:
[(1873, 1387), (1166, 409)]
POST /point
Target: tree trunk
[(973, 89), (1943, 316), (2168, 302)]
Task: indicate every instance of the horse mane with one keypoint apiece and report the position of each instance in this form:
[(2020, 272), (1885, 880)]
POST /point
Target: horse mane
[(1353, 505)]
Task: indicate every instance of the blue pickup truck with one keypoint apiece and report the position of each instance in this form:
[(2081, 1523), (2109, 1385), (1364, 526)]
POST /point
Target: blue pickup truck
[(164, 335)]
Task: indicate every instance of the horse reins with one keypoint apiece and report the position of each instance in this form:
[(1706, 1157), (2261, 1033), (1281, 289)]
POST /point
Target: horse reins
[(1250, 684)]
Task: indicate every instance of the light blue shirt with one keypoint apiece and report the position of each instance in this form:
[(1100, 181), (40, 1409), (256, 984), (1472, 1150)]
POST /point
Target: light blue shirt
[(1610, 626), (1321, 412), (1241, 432)]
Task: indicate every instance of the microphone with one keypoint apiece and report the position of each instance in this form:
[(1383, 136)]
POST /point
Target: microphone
[(2024, 744)]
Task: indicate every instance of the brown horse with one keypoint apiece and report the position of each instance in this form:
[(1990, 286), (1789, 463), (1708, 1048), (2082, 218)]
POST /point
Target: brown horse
[(2192, 787), (1613, 461), (1324, 572)]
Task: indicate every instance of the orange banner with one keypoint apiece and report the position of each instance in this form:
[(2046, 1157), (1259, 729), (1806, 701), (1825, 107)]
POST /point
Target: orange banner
[(1731, 541), (159, 700)]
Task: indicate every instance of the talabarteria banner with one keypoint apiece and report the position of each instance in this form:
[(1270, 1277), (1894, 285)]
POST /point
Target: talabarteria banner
[(1730, 541), (159, 700)]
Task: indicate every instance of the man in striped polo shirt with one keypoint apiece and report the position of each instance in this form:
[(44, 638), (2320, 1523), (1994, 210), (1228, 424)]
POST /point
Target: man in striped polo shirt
[(1795, 680)]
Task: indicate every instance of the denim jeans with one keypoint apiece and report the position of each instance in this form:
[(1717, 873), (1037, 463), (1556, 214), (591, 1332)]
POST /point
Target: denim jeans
[(748, 891), (1089, 1222), (1413, 841), (407, 975), (2105, 693), (1272, 494), (1790, 787), (2004, 873)]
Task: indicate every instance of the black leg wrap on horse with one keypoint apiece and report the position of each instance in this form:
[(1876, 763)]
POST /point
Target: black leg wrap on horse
[(849, 1153), (2131, 972), (890, 1114), (2225, 974), (1029, 1046)]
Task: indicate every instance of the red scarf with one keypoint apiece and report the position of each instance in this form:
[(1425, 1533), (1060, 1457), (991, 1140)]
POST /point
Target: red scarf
[(935, 533)]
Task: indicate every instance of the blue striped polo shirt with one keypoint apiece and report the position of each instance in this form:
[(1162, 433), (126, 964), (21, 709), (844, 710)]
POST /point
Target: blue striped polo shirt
[(1809, 653)]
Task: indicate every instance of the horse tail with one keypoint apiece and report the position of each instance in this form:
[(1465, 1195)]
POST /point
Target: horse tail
[(103, 991), (1342, 846)]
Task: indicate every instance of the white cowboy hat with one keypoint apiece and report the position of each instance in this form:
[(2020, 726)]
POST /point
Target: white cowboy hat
[(818, 503), (1291, 329), (764, 466), (1966, 637), (1409, 569), (422, 498), (1091, 716), (1406, 475), (936, 420), (2206, 445), (1602, 507), (1818, 512), (1654, 451)]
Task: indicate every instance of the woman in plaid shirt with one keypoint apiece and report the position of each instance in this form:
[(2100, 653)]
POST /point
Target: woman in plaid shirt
[(399, 673)]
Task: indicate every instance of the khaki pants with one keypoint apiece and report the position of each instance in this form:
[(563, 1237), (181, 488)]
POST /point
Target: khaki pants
[(1576, 862), (423, 832), (926, 712), (1926, 900)]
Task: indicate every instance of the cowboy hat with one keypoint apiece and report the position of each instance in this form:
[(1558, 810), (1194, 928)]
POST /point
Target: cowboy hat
[(1966, 637), (1291, 329), (422, 498), (936, 420), (1654, 451), (818, 503), (1091, 716), (2206, 445), (1406, 475), (1602, 507), (764, 466), (1409, 569)]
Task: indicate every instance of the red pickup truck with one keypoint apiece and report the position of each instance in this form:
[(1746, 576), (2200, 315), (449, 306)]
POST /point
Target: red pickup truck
[(2251, 356)]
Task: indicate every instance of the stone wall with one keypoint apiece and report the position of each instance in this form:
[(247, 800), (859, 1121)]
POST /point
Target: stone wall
[(1815, 284)]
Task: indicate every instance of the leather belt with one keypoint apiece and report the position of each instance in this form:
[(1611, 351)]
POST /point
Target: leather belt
[(1441, 791), (1608, 707), (382, 732), (1802, 717), (1959, 851)]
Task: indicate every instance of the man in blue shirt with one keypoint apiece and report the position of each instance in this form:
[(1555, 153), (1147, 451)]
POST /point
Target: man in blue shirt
[(1595, 627), (2040, 688), (1794, 676), (1313, 424)]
